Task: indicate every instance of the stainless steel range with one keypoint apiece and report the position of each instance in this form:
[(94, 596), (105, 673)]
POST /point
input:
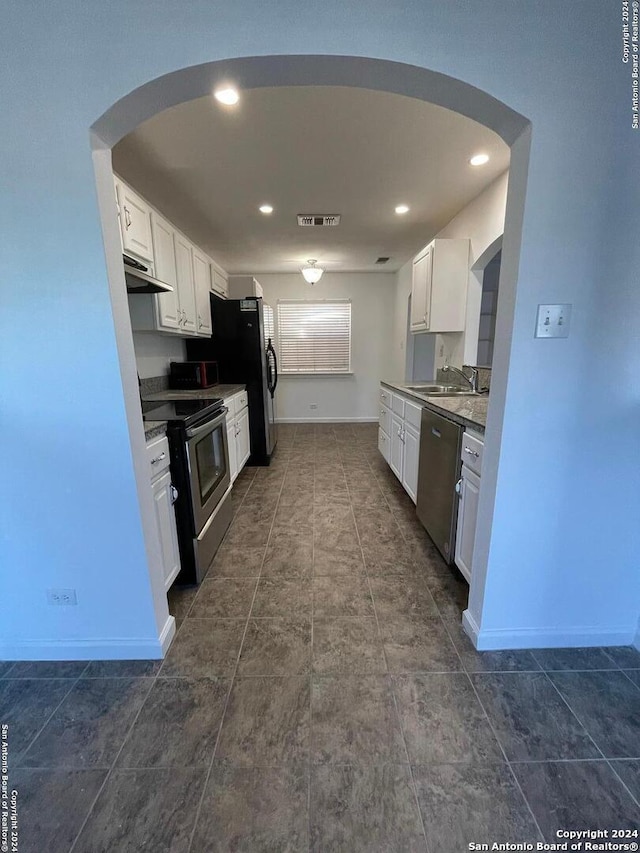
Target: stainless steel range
[(197, 435)]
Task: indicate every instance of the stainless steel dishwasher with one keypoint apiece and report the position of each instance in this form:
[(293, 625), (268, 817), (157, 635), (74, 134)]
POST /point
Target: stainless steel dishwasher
[(438, 473)]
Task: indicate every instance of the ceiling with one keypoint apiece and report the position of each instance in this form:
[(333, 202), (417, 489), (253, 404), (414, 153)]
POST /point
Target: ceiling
[(308, 149)]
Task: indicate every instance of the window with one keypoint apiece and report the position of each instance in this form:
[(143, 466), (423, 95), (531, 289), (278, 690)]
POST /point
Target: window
[(268, 325), (314, 337)]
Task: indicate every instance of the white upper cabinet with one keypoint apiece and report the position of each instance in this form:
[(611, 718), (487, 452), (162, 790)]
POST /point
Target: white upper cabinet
[(172, 258), (167, 304), (421, 290), (186, 284), (202, 284), (135, 223), (439, 287), (219, 283)]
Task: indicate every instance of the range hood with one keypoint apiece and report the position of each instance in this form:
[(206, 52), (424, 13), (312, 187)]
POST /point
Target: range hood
[(139, 281)]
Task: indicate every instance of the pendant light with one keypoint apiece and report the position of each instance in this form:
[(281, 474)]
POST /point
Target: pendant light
[(312, 274)]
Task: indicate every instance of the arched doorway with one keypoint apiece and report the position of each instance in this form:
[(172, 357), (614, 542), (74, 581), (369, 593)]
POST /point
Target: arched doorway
[(272, 71)]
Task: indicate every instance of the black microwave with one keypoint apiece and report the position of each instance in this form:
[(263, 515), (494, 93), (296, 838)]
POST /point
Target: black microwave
[(191, 375)]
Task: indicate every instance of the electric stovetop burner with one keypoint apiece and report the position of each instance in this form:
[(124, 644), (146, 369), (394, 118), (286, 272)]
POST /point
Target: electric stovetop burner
[(186, 413)]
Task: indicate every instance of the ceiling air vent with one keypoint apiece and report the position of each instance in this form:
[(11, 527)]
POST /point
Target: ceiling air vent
[(382, 260), (310, 220)]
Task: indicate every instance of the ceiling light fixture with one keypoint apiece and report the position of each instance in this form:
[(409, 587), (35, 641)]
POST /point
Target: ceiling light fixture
[(266, 208), (402, 208), (227, 96), (311, 273), (479, 159)]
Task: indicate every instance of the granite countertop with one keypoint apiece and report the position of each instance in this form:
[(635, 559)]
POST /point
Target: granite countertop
[(152, 429), (468, 411), (223, 391)]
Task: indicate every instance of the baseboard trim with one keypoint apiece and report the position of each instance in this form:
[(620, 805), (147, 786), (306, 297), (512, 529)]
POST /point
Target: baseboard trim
[(542, 638), (326, 420), (470, 627), (132, 648), (552, 638), (167, 634)]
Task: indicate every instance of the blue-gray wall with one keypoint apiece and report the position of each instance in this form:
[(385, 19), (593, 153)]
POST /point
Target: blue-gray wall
[(563, 554)]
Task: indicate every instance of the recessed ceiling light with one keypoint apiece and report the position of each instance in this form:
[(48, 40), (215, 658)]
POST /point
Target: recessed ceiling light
[(479, 159), (402, 208), (228, 96), (266, 208)]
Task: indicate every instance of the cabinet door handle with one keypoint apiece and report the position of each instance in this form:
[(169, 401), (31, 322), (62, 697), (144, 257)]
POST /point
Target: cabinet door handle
[(159, 458), (471, 452), (174, 493), (459, 488), (127, 218)]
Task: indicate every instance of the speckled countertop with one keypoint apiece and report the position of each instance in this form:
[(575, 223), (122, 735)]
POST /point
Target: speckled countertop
[(467, 411), (200, 394), (152, 429)]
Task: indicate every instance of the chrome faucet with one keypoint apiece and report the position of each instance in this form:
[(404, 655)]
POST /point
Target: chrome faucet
[(473, 381)]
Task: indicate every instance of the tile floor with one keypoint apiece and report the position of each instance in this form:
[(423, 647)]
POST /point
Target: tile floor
[(320, 695)]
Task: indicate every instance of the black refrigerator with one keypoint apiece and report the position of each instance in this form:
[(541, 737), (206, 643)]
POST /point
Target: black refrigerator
[(238, 345)]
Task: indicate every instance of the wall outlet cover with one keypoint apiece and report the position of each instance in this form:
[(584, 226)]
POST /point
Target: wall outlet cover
[(62, 597)]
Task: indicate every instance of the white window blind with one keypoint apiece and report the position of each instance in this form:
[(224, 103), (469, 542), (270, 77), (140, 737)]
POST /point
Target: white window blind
[(268, 325), (314, 337)]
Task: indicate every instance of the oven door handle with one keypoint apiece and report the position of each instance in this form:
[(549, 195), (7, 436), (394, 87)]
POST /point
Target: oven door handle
[(194, 432)]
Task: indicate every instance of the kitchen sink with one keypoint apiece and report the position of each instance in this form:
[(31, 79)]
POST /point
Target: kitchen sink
[(442, 390), (434, 388)]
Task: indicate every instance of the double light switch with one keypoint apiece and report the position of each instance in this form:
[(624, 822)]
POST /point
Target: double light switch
[(553, 321)]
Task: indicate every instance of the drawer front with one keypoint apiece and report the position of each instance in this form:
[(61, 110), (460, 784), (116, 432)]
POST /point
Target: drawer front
[(471, 453), (242, 401), (383, 444), (158, 456), (385, 419), (385, 396), (398, 404), (413, 414)]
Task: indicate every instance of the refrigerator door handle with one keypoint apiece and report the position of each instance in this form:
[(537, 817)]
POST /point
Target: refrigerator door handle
[(271, 350)]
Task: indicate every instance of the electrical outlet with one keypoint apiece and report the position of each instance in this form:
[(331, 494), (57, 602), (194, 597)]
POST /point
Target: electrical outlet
[(63, 597), (313, 406)]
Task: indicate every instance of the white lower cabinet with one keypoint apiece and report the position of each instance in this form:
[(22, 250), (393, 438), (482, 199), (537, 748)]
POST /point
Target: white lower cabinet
[(399, 438), (468, 489), (243, 441), (238, 436), (164, 495), (410, 461), (396, 456), (231, 446), (384, 445)]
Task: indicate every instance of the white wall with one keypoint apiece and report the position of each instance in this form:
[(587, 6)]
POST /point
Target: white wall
[(482, 222), (339, 397), (155, 351), (564, 541)]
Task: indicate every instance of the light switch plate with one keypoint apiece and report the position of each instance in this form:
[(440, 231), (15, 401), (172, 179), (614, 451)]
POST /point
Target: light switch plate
[(553, 321)]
